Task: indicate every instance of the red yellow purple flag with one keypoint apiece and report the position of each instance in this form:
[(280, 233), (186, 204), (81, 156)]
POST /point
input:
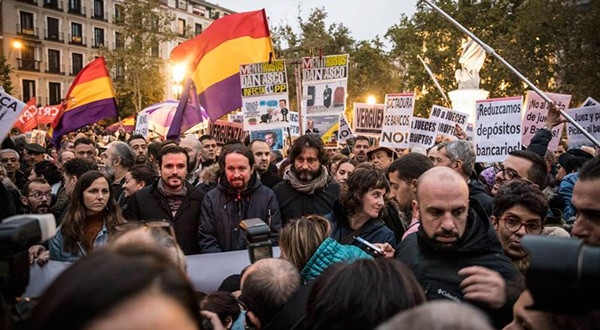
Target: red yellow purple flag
[(215, 56), (90, 98)]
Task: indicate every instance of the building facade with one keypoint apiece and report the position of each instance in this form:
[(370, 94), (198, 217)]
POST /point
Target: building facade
[(47, 42)]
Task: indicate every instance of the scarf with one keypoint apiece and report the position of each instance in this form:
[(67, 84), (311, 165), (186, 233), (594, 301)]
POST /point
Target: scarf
[(310, 187), (174, 197)]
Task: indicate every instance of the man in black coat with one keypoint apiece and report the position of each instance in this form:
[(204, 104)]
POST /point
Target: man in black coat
[(456, 255), (262, 163), (307, 187), (171, 198)]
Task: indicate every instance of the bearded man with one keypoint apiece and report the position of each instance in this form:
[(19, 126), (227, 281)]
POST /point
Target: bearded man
[(307, 187)]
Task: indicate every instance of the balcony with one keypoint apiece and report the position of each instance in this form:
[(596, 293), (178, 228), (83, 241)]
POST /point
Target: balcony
[(54, 5), (99, 15), (28, 31), (28, 65), (56, 69), (77, 40), (31, 2), (77, 11), (98, 43), (54, 36), (74, 71)]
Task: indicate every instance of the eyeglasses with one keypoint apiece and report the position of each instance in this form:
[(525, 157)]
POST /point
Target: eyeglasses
[(131, 225), (514, 224), (39, 195), (508, 173)]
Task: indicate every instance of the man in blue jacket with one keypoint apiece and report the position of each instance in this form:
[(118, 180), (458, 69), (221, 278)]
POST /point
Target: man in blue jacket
[(238, 196)]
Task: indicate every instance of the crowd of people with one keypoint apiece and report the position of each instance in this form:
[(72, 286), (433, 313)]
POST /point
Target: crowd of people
[(439, 227)]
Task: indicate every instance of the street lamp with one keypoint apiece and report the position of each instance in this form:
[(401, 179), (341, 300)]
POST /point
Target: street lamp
[(16, 44), (371, 99), (178, 73)]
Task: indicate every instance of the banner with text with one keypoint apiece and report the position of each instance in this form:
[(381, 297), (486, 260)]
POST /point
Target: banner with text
[(589, 118), (536, 110), (141, 124), (396, 120), (224, 131), (265, 101), (10, 109), (422, 133), (498, 128), (446, 120), (32, 116), (324, 84), (368, 119)]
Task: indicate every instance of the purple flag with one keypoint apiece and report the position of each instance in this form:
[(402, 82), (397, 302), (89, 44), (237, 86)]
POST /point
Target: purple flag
[(188, 114)]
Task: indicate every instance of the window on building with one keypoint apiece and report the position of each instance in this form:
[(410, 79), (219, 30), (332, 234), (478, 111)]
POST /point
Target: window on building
[(52, 29), (28, 89), (118, 13), (75, 6), (26, 23), (76, 33), (76, 63), (51, 4), (54, 95), (53, 61), (99, 9), (198, 29), (181, 27), (98, 37), (119, 43), (181, 4)]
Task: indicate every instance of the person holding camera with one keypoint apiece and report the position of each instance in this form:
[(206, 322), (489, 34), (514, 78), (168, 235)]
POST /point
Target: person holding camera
[(239, 195)]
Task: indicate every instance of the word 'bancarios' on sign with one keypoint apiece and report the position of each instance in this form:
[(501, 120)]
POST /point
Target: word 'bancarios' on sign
[(10, 110), (397, 116), (497, 128)]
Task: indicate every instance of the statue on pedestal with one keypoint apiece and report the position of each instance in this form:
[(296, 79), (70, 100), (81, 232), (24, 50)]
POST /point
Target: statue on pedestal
[(471, 61)]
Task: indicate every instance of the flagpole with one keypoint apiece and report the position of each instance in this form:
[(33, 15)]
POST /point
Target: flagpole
[(492, 52)]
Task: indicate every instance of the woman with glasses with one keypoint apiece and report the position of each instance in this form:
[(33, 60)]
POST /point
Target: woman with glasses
[(89, 221), (520, 209)]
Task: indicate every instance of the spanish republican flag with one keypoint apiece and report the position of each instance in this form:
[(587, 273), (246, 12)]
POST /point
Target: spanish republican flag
[(216, 54), (91, 98)]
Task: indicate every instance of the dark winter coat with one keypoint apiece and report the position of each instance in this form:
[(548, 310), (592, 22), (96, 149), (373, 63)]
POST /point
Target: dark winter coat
[(150, 203), (374, 231), (437, 269), (224, 208), (294, 204)]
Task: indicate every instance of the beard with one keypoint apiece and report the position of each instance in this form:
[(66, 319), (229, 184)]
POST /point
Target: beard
[(140, 159), (306, 175)]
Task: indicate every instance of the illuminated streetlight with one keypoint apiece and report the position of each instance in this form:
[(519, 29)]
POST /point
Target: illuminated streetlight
[(16, 44), (178, 73), (371, 99)]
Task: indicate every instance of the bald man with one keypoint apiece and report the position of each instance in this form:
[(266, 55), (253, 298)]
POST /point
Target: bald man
[(454, 254)]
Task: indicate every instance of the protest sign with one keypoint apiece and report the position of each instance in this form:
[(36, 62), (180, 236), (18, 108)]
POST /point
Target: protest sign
[(396, 121), (10, 109), (294, 128), (273, 137), (224, 131), (589, 118), (589, 102), (36, 136), (422, 133), (141, 124), (32, 116), (328, 127), (447, 119), (345, 131), (536, 110), (265, 101), (324, 84), (497, 128), (368, 119)]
